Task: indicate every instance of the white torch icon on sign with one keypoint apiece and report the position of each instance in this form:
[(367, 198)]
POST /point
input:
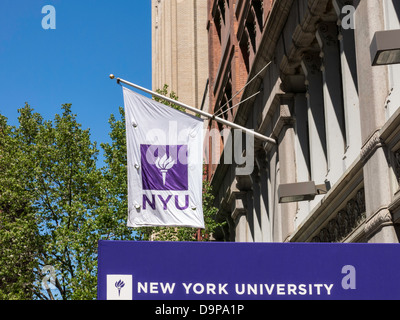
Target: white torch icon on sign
[(164, 164)]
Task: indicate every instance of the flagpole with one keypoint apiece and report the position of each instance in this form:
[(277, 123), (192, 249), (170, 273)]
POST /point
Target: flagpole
[(200, 112)]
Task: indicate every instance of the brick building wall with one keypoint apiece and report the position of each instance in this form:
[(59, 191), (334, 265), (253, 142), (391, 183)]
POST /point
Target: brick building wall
[(234, 33)]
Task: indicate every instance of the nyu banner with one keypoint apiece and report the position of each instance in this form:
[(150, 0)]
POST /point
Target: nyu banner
[(165, 164), (247, 271)]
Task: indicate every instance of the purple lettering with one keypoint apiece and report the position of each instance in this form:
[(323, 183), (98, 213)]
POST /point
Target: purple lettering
[(152, 203), (165, 202), (186, 203)]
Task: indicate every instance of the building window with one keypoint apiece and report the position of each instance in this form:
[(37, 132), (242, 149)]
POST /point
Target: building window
[(251, 32), (244, 48), (397, 165), (221, 9), (258, 13), (217, 22), (225, 110)]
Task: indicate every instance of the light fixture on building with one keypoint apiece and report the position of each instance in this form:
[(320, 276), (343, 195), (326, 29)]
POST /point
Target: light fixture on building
[(385, 48), (302, 191)]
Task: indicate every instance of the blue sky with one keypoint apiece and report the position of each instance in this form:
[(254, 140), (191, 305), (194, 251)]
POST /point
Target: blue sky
[(71, 64)]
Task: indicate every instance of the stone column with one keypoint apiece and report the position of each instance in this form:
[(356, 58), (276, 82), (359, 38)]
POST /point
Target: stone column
[(302, 151), (327, 36), (284, 131), (239, 215), (350, 82), (311, 65), (373, 89)]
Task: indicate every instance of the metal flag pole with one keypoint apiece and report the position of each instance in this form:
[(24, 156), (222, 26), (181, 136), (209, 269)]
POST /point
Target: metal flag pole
[(200, 112)]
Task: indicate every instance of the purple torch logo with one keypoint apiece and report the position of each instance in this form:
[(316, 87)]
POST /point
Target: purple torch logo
[(164, 167), (164, 164), (119, 285)]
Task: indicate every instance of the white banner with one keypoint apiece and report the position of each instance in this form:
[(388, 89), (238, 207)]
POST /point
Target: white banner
[(165, 164)]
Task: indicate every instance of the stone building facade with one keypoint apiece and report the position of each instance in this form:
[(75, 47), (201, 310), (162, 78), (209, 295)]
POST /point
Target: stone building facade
[(336, 118), (179, 48)]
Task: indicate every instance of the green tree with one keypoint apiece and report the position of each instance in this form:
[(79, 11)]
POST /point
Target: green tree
[(66, 199), (171, 95), (19, 237)]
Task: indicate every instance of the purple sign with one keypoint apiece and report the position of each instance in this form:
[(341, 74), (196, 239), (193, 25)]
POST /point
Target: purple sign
[(247, 271), (164, 167)]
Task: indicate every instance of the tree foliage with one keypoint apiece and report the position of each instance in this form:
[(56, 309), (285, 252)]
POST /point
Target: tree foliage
[(56, 204), (18, 226)]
